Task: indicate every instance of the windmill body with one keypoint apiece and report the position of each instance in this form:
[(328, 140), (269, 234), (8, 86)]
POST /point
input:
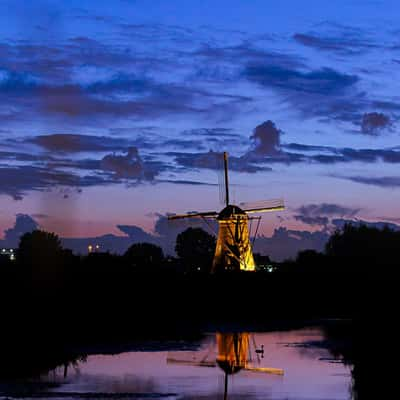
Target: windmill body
[(233, 351), (233, 251)]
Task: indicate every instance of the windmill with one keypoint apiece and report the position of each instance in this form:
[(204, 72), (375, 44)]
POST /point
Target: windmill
[(233, 251), (234, 354)]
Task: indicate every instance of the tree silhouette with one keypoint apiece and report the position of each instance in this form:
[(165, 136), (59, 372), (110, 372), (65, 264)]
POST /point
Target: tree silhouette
[(144, 255), (196, 248), (365, 249), (41, 258)]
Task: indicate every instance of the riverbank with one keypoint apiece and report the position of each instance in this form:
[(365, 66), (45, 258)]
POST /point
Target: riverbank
[(44, 329)]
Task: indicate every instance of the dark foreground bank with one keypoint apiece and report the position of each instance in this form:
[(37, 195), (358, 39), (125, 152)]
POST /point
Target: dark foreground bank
[(45, 329)]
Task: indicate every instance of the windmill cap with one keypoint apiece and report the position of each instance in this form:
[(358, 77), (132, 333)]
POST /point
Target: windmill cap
[(230, 211)]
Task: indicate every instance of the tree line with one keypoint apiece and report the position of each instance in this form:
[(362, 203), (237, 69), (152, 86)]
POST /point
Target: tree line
[(355, 250)]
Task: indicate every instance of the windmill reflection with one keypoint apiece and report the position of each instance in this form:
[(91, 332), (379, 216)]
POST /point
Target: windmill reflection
[(235, 352)]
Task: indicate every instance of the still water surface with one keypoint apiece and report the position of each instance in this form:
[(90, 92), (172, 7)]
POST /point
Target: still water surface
[(190, 371)]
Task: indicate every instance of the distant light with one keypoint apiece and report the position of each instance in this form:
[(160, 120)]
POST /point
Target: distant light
[(11, 251), (4, 250), (198, 268), (12, 257), (97, 246), (90, 248)]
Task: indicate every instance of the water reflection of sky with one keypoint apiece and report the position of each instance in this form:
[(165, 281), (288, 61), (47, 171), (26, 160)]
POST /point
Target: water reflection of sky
[(306, 376)]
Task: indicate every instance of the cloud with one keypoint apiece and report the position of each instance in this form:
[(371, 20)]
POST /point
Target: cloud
[(373, 123), (267, 139), (44, 171), (325, 81), (84, 80), (118, 96), (265, 148), (23, 224), (245, 53), (315, 220), (183, 144), (339, 223), (321, 214), (315, 93), (15, 181), (59, 60), (383, 181), (332, 155), (129, 166), (185, 182), (285, 243), (125, 83), (73, 143), (212, 132), (40, 216), (343, 43), (201, 138), (15, 84), (137, 234), (214, 160), (305, 147)]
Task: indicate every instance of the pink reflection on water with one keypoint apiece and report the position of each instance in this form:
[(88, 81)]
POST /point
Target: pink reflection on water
[(306, 376)]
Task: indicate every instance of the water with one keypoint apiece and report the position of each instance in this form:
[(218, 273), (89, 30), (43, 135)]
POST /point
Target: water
[(190, 371)]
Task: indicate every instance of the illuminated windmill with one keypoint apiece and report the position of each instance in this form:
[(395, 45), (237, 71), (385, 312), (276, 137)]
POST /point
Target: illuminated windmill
[(234, 249)]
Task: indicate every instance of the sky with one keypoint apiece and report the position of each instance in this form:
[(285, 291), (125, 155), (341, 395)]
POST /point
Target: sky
[(116, 113)]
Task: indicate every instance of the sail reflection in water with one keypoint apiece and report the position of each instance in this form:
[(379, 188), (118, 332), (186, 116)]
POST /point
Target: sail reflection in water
[(234, 353)]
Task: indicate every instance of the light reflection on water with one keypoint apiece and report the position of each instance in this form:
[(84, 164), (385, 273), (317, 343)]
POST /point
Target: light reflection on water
[(196, 375)]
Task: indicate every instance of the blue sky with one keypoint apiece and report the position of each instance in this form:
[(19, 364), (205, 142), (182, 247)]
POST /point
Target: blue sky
[(117, 112)]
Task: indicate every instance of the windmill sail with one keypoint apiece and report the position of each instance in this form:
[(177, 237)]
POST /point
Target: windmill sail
[(203, 363), (266, 370), (263, 206), (193, 215)]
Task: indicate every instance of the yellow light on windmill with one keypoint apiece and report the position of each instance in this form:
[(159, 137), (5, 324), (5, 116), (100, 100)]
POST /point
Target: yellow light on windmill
[(233, 251), (90, 248)]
